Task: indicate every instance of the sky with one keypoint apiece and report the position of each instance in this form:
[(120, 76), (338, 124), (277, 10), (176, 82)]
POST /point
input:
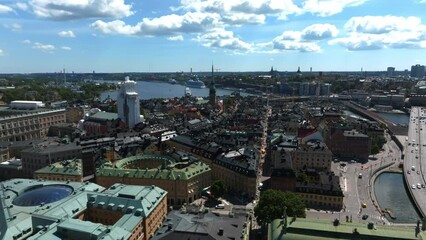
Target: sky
[(39, 36)]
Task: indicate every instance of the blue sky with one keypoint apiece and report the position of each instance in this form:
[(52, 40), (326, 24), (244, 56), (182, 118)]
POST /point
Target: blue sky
[(237, 35)]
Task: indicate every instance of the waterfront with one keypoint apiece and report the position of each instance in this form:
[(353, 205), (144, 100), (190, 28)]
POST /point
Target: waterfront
[(391, 193), (148, 90), (398, 118)]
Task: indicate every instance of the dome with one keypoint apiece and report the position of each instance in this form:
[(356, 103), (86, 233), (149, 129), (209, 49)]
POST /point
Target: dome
[(42, 195)]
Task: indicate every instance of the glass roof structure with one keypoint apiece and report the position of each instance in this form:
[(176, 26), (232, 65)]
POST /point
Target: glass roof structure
[(42, 195)]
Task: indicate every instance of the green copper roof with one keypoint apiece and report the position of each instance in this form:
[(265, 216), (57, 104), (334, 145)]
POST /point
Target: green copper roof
[(168, 169), (171, 173), (308, 228), (69, 167)]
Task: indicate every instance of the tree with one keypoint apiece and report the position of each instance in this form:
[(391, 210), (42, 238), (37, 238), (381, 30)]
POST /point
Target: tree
[(218, 188), (272, 203), (302, 177)]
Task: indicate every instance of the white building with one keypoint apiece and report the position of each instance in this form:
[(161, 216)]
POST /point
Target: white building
[(128, 103), (26, 105)]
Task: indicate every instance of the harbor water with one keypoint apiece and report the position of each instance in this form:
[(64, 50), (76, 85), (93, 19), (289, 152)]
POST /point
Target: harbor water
[(149, 90), (391, 193)]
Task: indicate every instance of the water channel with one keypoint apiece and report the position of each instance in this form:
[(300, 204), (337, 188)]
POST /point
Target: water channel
[(389, 188), (148, 90), (391, 193)]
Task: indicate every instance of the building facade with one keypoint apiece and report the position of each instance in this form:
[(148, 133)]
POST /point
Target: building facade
[(417, 71), (58, 210), (349, 144), (19, 125), (184, 180), (314, 156), (45, 154), (128, 103), (68, 170)]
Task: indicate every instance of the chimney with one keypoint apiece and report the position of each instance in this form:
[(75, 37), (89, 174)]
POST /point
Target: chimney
[(220, 233)]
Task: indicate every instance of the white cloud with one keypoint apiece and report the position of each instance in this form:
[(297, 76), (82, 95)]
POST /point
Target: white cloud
[(244, 18), (191, 22), (115, 27), (176, 38), (282, 7), (281, 44), (319, 32), (326, 8), (26, 41), (381, 24), (44, 47), (377, 32), (278, 8), (14, 27), (22, 6), (221, 38), (1, 52), (66, 34), (5, 9), (80, 9), (356, 42), (66, 48), (306, 40)]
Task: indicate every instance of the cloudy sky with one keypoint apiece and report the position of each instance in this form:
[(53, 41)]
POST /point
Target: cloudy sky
[(237, 35)]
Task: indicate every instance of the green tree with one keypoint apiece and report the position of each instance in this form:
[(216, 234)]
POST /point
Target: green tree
[(302, 177), (218, 188), (271, 206)]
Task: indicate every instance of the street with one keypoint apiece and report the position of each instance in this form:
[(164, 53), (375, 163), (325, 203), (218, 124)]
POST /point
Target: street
[(358, 189)]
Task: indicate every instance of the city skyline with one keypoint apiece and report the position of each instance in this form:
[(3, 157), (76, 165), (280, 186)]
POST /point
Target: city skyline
[(245, 35)]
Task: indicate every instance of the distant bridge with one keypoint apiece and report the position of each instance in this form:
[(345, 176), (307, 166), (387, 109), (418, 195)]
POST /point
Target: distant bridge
[(394, 128)]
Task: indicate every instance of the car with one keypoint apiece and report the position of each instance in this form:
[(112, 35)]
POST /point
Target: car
[(220, 206), (418, 172), (423, 186), (419, 186), (364, 217), (408, 171), (413, 186), (363, 205)]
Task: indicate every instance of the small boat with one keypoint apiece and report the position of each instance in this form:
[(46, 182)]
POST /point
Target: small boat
[(390, 213), (172, 81)]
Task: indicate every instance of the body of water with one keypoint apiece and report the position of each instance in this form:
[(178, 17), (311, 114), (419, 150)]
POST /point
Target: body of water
[(398, 118), (148, 90), (391, 193)]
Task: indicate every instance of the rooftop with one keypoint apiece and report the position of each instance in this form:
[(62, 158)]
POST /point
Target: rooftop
[(67, 167), (105, 115), (170, 169), (202, 226), (307, 228), (31, 209)]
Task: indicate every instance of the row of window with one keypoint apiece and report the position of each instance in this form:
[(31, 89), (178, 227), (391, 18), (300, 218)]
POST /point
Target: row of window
[(323, 198)]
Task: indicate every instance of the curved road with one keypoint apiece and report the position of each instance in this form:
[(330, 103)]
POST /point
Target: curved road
[(415, 150)]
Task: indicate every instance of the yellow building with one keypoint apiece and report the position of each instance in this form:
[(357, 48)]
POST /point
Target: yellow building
[(314, 156), (19, 125), (322, 191)]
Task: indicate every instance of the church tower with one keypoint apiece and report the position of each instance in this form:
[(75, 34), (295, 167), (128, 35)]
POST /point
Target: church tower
[(212, 91)]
